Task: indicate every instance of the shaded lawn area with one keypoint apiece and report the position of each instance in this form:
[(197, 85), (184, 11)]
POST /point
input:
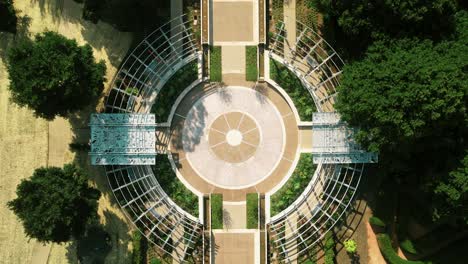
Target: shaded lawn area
[(172, 89), (173, 187), (292, 85), (457, 253), (295, 185)]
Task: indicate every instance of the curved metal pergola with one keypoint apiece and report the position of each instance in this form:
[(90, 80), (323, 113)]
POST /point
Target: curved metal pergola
[(134, 90), (328, 196)]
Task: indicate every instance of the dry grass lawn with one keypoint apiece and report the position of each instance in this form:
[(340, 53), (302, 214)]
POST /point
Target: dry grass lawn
[(27, 142)]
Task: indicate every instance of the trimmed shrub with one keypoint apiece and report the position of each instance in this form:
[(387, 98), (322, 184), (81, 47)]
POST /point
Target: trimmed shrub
[(217, 211), (251, 71), (350, 246), (385, 245), (155, 261), (215, 64), (137, 252), (375, 221), (292, 85), (252, 210), (408, 246)]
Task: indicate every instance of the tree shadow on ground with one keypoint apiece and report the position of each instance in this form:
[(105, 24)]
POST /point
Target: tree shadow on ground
[(105, 242)]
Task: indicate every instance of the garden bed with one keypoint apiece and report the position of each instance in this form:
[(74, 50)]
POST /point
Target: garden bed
[(172, 89), (216, 211), (173, 187), (296, 184), (251, 71), (252, 210), (300, 96), (215, 64)]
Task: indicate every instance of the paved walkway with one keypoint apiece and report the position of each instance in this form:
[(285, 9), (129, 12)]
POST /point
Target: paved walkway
[(233, 21)]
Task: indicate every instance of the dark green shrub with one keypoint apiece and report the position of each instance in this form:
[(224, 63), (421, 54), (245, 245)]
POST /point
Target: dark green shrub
[(216, 211), (251, 71), (295, 185), (137, 252), (173, 187), (8, 17), (172, 89), (385, 245), (292, 85), (155, 261), (215, 64), (252, 210), (375, 221)]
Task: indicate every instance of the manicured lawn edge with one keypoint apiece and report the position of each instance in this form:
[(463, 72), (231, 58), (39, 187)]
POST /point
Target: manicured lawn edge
[(385, 245), (252, 210), (293, 87), (251, 72), (216, 211), (215, 64)]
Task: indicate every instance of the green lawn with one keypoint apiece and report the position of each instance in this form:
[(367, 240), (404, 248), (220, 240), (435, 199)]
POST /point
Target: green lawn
[(252, 210), (295, 185), (216, 211), (215, 64), (251, 71), (292, 85), (174, 188), (172, 89)]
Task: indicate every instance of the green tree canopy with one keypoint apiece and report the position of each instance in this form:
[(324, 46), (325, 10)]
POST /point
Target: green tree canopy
[(365, 20), (409, 99), (53, 75), (55, 204), (451, 194)]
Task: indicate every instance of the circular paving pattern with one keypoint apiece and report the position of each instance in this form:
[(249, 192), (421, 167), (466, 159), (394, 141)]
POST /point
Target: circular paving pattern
[(234, 137), (239, 137)]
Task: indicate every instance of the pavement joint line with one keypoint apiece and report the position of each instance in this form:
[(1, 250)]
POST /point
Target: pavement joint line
[(217, 144), (218, 130), (225, 118), (179, 115), (250, 130), (240, 121), (250, 144), (288, 114), (288, 159)]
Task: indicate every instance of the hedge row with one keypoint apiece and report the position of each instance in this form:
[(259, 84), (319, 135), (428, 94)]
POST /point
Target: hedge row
[(251, 71), (215, 64), (216, 211), (385, 245), (252, 210), (139, 248), (329, 248), (373, 220)]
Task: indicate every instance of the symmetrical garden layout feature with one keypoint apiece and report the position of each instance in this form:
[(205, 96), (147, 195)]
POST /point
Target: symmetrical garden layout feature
[(232, 139)]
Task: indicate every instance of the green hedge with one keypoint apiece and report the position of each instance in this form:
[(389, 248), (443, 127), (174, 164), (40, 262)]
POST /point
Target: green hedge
[(172, 89), (252, 210), (292, 85), (173, 187), (8, 17), (295, 185), (139, 248), (385, 245), (251, 72), (215, 64), (329, 248), (216, 211), (408, 246), (373, 220)]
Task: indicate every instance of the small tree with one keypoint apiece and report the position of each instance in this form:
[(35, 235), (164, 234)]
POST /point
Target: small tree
[(55, 204), (53, 75)]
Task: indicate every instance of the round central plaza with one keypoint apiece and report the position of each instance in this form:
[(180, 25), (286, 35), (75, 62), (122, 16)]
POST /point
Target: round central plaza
[(240, 141), (233, 139)]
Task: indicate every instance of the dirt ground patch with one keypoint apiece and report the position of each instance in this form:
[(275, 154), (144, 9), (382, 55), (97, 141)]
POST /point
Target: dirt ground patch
[(27, 142)]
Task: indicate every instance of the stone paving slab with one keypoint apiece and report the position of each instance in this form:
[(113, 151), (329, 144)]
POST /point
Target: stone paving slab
[(233, 21), (234, 248)]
